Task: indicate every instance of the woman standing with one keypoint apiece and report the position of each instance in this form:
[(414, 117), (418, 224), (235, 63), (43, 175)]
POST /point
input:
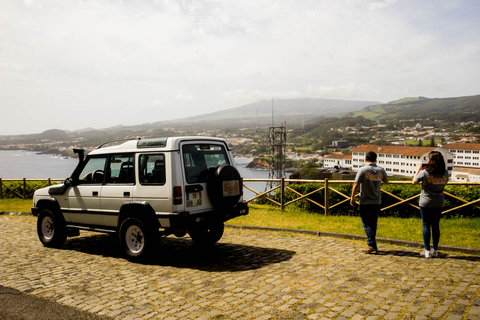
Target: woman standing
[(433, 177)]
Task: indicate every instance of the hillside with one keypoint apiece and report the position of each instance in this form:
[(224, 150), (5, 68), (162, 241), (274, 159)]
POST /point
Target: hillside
[(449, 109), (438, 113), (294, 111)]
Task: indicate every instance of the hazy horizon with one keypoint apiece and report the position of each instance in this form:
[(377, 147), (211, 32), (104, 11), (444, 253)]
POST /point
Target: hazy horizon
[(76, 64)]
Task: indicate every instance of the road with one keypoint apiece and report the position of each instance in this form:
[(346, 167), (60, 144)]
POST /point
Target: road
[(248, 275)]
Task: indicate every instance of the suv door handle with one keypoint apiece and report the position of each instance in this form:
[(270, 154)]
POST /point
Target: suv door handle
[(126, 194), (95, 193)]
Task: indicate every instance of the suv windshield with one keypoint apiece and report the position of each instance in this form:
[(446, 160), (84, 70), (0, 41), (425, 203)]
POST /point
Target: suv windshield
[(198, 158)]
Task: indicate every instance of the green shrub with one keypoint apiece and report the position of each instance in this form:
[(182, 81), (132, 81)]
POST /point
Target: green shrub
[(14, 189), (403, 191)]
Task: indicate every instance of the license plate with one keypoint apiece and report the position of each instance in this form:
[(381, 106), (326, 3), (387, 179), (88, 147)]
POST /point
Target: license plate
[(194, 199)]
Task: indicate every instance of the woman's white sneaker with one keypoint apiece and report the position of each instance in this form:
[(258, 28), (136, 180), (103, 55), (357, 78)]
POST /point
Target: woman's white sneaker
[(425, 253), (434, 253)]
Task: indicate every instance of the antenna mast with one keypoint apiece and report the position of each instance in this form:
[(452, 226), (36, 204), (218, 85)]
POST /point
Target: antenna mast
[(278, 141), (272, 112)]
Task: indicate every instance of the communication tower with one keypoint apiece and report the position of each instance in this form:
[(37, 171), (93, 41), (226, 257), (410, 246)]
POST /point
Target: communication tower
[(278, 141)]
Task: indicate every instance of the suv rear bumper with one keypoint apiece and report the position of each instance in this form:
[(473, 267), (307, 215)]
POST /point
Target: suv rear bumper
[(185, 220)]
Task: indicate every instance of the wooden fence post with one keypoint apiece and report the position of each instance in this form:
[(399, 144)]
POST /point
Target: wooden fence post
[(1, 188), (24, 188), (326, 196), (49, 182), (282, 193)]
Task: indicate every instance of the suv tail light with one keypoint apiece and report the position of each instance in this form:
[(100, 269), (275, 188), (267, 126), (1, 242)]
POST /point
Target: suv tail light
[(177, 195)]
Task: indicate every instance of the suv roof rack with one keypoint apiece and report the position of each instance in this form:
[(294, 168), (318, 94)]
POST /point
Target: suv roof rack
[(128, 139)]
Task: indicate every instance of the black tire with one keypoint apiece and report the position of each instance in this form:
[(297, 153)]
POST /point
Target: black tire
[(137, 239), (224, 187), (51, 229), (207, 235)]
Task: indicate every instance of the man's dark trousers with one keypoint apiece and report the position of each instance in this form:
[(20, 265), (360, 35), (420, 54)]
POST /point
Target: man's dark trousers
[(369, 214)]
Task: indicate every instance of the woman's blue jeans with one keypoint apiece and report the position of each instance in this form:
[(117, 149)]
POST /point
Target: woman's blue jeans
[(431, 226), (369, 214)]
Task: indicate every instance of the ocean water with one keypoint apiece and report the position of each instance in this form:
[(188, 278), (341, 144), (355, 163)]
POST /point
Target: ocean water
[(26, 164), (30, 165)]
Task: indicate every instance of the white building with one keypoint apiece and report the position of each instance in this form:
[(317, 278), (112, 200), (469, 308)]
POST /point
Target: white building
[(462, 174), (398, 160), (465, 154), (337, 160)]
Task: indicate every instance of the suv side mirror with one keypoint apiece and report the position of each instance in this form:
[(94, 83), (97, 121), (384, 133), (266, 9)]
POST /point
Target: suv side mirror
[(60, 189)]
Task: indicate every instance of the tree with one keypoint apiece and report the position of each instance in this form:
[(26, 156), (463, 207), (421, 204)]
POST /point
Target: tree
[(432, 141)]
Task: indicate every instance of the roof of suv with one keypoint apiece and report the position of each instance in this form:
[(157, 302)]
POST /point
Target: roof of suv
[(154, 144)]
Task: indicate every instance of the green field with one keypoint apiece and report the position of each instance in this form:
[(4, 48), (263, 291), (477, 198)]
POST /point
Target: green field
[(462, 232)]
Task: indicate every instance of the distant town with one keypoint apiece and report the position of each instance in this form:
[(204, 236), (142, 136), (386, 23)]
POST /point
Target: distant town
[(406, 146)]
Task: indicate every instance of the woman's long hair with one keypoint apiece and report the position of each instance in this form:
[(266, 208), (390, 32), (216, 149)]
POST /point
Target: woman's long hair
[(436, 164)]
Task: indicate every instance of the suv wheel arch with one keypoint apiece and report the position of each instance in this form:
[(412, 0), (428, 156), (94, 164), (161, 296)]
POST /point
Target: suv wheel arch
[(48, 203), (140, 210)]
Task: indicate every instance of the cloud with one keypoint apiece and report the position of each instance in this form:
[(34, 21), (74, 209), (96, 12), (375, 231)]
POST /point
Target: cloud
[(86, 60), (378, 5)]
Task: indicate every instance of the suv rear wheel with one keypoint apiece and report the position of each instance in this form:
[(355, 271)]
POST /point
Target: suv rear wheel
[(136, 238), (207, 234), (51, 229)]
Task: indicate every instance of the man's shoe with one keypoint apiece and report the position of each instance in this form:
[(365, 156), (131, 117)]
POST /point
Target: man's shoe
[(425, 253), (369, 249), (433, 253)]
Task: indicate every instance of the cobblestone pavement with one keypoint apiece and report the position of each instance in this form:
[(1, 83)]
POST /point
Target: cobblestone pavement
[(248, 275)]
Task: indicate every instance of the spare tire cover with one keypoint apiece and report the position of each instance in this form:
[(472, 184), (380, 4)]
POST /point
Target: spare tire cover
[(224, 186)]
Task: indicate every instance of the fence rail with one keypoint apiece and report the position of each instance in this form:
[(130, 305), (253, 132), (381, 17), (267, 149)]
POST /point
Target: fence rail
[(328, 188), (24, 188)]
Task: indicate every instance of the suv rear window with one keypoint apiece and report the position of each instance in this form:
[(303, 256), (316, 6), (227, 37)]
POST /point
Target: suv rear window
[(198, 158), (152, 168)]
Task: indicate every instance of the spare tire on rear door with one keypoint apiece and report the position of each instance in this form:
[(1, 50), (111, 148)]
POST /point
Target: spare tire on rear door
[(224, 187)]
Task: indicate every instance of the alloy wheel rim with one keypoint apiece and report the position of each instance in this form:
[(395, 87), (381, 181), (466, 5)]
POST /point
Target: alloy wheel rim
[(134, 239)]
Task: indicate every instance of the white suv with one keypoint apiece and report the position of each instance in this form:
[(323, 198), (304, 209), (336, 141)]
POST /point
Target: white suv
[(143, 189)]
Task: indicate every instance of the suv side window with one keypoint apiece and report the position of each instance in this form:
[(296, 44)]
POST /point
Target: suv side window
[(152, 168), (93, 171), (121, 169), (198, 158)]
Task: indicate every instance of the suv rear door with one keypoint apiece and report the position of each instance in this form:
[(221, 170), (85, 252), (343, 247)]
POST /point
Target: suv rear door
[(154, 181), (198, 158)]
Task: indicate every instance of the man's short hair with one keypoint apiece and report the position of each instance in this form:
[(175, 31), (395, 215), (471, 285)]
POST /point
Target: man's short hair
[(371, 156)]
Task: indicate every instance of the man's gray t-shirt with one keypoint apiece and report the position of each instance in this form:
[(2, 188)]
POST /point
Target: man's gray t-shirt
[(370, 177), (432, 189)]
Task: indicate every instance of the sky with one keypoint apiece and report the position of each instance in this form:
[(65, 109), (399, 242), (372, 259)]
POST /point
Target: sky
[(99, 63)]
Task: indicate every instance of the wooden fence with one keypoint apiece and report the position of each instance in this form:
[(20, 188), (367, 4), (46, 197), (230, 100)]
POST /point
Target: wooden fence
[(25, 189), (328, 187)]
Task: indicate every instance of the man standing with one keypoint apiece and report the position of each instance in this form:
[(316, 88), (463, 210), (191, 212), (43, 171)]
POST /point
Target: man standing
[(368, 180)]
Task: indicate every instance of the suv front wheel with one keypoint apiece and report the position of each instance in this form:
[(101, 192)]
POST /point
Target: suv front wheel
[(51, 229), (136, 238)]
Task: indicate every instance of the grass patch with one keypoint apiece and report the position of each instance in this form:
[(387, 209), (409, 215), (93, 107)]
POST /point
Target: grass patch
[(462, 232), (15, 205)]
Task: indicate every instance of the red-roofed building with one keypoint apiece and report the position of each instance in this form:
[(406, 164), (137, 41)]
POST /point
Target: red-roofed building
[(398, 160), (465, 154)]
